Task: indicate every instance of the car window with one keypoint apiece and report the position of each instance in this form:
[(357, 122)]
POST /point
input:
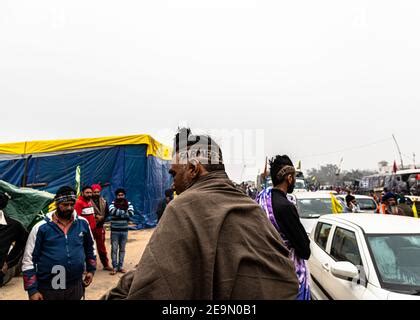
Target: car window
[(397, 259), (322, 232), (344, 247), (366, 204), (315, 207)]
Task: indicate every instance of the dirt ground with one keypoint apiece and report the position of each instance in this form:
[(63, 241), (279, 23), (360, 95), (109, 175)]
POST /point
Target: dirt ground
[(103, 281)]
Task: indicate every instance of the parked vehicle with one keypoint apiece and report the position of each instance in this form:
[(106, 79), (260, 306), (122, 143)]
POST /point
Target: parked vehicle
[(365, 257), (312, 205), (366, 203), (403, 181)]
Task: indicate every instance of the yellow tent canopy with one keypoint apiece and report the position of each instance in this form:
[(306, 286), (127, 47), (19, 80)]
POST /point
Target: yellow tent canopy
[(154, 148)]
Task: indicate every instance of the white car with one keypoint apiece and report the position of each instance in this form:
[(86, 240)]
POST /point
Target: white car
[(300, 185), (366, 203), (312, 205), (365, 257)]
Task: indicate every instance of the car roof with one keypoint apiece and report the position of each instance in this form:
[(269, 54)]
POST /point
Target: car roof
[(372, 223), (408, 171), (413, 198), (357, 196), (313, 195)]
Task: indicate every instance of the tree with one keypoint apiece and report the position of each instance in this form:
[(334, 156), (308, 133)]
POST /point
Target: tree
[(326, 175)]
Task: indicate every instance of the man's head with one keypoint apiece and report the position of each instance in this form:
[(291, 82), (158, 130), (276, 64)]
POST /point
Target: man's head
[(120, 193), (4, 200), (351, 200), (96, 190), (283, 172), (65, 200), (402, 199), (87, 193), (390, 199), (193, 157)]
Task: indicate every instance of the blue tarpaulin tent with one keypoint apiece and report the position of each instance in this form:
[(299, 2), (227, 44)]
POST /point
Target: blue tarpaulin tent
[(137, 163)]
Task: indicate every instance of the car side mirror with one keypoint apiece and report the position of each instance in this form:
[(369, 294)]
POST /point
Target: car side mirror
[(344, 270)]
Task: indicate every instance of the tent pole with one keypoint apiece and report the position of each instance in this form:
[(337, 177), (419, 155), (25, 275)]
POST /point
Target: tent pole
[(25, 172)]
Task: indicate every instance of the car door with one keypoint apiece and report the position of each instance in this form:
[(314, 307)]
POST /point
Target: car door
[(344, 246), (319, 255)]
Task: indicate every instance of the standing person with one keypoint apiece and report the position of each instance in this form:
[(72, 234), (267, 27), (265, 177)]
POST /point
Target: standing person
[(349, 197), (11, 231), (59, 250), (169, 196), (284, 216), (213, 242), (101, 213), (405, 208), (390, 205), (120, 211), (84, 207), (381, 204)]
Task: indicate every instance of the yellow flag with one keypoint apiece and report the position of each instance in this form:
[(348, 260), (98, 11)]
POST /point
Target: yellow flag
[(414, 208), (336, 205)]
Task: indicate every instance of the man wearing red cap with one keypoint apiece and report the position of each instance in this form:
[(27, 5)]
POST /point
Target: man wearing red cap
[(101, 212)]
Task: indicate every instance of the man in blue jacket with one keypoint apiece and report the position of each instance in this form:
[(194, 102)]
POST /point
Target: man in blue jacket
[(60, 249)]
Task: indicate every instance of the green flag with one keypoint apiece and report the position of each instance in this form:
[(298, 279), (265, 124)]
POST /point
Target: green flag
[(26, 205), (78, 180)]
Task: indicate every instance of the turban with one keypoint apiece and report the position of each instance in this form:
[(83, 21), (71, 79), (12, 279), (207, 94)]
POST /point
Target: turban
[(389, 195), (96, 187)]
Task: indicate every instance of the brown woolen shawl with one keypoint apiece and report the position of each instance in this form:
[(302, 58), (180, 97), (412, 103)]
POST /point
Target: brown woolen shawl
[(213, 242)]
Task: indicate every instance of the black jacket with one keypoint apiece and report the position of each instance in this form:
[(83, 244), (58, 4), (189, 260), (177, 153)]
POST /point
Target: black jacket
[(289, 223), (13, 232)]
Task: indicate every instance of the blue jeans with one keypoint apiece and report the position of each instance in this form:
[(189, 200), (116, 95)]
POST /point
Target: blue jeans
[(118, 242)]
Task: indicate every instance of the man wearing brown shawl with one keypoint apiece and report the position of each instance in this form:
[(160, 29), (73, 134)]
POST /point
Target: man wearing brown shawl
[(213, 242)]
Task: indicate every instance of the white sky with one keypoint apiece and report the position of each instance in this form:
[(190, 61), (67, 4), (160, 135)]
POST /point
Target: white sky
[(320, 77)]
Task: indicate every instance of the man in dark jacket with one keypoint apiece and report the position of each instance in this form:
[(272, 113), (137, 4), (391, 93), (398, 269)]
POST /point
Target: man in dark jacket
[(213, 242), (405, 208), (120, 211), (391, 204), (11, 232), (169, 195), (284, 216), (58, 252)]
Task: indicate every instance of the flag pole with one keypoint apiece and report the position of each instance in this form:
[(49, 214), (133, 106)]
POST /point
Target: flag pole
[(399, 151)]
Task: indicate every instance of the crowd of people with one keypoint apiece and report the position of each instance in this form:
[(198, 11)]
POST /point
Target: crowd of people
[(386, 203), (66, 243), (213, 241)]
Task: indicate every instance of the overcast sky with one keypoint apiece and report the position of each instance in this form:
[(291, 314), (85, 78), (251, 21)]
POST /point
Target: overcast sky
[(323, 79)]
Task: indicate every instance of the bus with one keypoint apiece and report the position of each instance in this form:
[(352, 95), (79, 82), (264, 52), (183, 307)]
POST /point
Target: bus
[(403, 181)]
